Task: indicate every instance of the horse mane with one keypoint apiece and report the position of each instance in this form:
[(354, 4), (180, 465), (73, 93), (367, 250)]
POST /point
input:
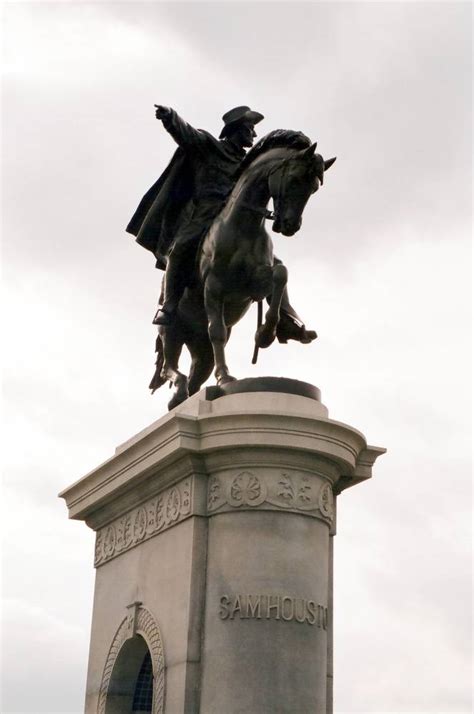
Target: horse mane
[(274, 140)]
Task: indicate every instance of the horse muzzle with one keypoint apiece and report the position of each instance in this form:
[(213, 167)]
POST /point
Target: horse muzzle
[(289, 227), (276, 227)]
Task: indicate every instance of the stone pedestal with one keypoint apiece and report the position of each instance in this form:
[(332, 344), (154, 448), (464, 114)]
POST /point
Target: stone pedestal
[(214, 554)]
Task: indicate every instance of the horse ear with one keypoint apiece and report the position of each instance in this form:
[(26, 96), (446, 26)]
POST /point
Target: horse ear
[(329, 163), (310, 150)]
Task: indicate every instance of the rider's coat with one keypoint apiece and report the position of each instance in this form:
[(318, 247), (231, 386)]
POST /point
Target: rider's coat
[(182, 204)]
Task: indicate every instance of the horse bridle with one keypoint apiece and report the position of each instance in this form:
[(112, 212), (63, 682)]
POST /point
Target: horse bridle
[(271, 215), (262, 211)]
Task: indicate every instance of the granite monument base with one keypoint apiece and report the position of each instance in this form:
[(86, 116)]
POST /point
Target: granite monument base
[(214, 554)]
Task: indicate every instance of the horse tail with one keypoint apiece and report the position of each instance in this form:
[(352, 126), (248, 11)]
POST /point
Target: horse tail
[(157, 380)]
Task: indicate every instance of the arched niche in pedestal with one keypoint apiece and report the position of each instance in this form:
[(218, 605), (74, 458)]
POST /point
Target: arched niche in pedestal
[(135, 663)]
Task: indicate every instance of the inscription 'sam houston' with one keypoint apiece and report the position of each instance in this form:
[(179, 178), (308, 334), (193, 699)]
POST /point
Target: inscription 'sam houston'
[(273, 607)]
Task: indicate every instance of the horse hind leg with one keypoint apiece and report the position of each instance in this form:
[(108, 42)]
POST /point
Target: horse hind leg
[(201, 365), (172, 347)]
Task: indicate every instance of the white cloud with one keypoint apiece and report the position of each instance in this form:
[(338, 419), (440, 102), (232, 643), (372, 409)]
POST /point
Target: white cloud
[(45, 664), (380, 269)]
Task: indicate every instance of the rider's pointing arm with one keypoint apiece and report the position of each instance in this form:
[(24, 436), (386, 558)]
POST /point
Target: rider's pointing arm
[(183, 133)]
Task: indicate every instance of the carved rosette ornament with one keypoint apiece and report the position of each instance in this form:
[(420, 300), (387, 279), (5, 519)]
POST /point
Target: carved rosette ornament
[(139, 621), (273, 490), (158, 514), (246, 490)]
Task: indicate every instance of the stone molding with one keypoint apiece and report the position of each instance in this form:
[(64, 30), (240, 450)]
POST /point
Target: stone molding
[(143, 522), (198, 430), (277, 490), (139, 621)]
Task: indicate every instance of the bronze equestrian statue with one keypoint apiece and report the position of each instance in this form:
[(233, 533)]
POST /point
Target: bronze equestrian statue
[(209, 197)]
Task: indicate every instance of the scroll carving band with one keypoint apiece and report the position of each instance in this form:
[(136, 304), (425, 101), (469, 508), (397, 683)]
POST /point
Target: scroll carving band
[(279, 491), (143, 522)]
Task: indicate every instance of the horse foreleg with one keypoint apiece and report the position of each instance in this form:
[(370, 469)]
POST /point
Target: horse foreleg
[(217, 332), (172, 346), (267, 332)]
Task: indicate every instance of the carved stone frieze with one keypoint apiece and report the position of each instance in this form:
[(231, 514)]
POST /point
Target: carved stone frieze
[(143, 522), (275, 490)]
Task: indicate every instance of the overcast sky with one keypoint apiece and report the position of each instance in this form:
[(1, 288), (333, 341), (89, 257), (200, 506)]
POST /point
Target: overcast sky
[(380, 268)]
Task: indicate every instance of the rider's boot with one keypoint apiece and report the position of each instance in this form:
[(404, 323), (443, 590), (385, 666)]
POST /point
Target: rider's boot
[(174, 289), (290, 325)]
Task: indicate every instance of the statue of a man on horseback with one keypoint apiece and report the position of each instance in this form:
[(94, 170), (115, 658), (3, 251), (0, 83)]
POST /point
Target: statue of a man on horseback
[(204, 220), (179, 208)]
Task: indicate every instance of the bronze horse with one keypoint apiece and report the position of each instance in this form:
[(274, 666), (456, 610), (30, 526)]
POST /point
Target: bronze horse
[(235, 263)]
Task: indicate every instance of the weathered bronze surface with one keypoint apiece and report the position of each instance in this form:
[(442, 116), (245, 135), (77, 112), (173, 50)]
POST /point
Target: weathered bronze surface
[(204, 221)]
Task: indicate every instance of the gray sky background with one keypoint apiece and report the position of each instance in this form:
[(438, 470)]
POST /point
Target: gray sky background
[(381, 268)]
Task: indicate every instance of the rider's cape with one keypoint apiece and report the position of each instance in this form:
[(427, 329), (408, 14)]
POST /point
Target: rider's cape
[(156, 220)]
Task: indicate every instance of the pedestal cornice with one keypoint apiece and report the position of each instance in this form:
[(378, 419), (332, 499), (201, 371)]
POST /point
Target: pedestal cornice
[(203, 436)]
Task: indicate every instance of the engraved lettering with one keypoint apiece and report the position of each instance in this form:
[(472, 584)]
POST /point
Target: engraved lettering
[(237, 607), (290, 613), (271, 607), (301, 617), (311, 616), (253, 609), (224, 607)]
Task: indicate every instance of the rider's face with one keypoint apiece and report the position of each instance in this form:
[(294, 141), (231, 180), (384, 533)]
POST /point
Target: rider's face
[(244, 134)]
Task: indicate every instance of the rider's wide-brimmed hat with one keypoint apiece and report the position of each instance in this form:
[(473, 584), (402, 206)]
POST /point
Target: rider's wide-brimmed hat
[(236, 116)]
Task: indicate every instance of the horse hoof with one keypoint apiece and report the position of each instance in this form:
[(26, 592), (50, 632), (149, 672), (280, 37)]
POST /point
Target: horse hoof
[(226, 379), (264, 339), (308, 336), (175, 400), (181, 393)]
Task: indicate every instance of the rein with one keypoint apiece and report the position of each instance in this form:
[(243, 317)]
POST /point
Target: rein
[(270, 215), (283, 166), (262, 211), (266, 214)]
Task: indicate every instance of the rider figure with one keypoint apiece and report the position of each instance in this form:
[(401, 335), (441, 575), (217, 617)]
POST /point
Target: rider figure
[(180, 207), (215, 165)]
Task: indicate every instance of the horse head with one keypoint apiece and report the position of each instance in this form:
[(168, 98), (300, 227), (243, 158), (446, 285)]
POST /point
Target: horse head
[(291, 182)]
